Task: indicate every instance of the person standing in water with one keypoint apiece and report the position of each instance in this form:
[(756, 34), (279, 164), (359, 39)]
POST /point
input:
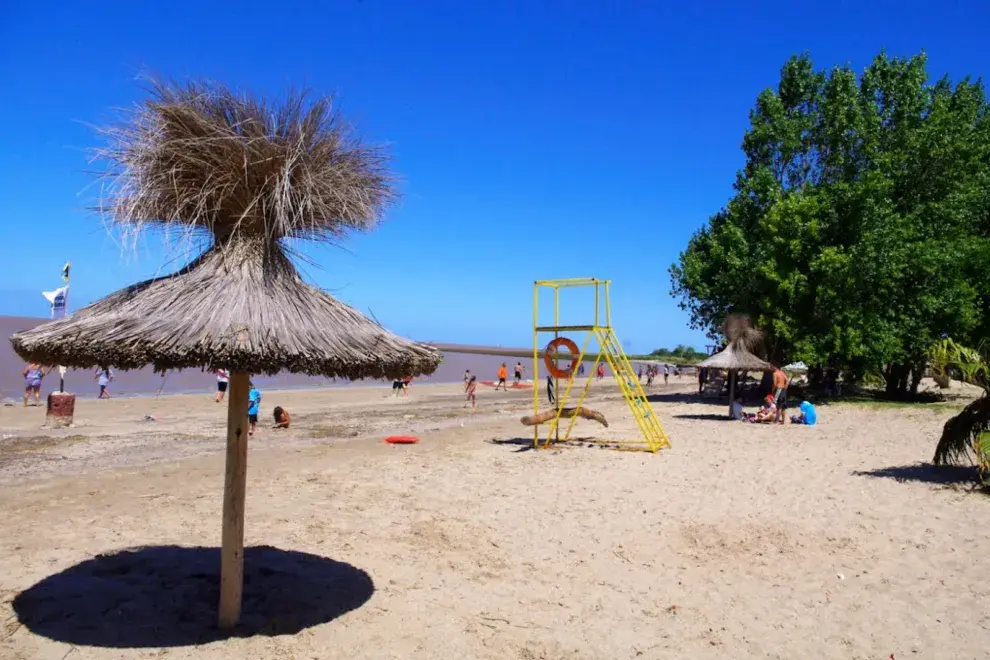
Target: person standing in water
[(518, 372), (33, 373), (103, 377)]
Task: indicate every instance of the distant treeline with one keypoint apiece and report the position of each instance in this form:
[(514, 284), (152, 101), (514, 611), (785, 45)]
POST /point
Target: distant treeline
[(681, 352)]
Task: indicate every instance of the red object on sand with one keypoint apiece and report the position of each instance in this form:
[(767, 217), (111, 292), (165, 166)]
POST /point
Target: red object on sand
[(401, 439)]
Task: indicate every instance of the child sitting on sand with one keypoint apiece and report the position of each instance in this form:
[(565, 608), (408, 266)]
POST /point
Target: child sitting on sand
[(807, 416), (469, 390), (737, 410), (766, 414), (281, 418)]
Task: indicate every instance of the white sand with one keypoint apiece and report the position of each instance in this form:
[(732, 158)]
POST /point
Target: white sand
[(741, 541)]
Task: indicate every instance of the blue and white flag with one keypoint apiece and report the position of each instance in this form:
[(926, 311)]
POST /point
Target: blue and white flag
[(57, 299)]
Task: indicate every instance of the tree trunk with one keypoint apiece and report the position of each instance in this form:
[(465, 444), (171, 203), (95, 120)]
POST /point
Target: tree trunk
[(732, 390), (897, 380), (235, 483)]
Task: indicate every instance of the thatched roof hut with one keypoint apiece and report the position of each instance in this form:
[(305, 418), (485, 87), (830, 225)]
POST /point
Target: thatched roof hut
[(735, 357), (248, 175), (239, 307)]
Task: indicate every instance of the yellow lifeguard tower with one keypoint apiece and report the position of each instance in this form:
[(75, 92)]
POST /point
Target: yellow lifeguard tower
[(652, 436)]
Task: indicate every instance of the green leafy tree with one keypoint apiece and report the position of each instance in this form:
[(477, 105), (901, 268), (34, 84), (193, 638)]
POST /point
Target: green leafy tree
[(681, 352), (857, 233)]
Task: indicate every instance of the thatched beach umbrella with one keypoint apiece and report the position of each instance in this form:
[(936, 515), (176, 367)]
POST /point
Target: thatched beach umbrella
[(250, 175), (736, 356)]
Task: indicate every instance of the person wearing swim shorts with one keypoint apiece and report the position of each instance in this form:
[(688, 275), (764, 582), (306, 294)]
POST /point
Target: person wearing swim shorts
[(223, 377), (780, 393), (103, 377), (33, 373), (502, 375), (518, 372), (254, 405)]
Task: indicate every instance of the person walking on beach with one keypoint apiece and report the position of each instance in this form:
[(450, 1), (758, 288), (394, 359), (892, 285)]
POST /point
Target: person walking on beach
[(223, 377), (503, 373), (254, 405), (469, 391), (33, 373), (581, 369), (518, 372), (666, 374), (103, 377), (601, 371)]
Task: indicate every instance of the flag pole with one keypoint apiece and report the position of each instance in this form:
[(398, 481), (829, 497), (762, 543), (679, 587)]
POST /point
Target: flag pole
[(65, 312)]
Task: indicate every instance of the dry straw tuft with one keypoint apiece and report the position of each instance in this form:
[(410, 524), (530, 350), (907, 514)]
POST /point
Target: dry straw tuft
[(203, 156)]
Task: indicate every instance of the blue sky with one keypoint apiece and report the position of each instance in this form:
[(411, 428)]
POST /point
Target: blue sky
[(616, 125)]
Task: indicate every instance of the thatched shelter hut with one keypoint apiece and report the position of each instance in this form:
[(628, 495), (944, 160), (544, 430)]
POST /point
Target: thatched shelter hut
[(737, 356), (248, 175)]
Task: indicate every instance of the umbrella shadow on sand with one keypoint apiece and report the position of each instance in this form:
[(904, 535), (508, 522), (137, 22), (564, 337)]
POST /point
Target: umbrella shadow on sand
[(166, 596), (942, 475)]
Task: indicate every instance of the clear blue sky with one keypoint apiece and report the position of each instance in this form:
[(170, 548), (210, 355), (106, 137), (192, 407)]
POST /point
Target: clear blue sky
[(616, 125)]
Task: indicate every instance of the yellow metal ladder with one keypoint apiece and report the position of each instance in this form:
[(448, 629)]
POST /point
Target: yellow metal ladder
[(632, 390)]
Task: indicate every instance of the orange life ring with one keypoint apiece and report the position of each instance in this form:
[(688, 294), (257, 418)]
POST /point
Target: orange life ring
[(548, 357), (401, 439)]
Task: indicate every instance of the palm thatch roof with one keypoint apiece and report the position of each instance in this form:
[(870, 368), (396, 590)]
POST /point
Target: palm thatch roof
[(250, 174), (237, 307), (742, 339), (735, 356)]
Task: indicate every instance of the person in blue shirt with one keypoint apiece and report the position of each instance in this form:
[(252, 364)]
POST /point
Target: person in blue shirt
[(254, 405), (807, 416)]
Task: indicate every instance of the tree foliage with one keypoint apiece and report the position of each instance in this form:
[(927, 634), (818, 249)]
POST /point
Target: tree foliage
[(680, 352), (857, 234)]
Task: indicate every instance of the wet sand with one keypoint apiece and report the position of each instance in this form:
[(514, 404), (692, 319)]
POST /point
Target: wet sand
[(740, 541)]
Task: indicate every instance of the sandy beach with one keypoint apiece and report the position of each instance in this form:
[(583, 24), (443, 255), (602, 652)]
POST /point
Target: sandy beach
[(740, 541)]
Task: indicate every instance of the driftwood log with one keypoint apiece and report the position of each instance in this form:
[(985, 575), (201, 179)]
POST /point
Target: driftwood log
[(586, 413)]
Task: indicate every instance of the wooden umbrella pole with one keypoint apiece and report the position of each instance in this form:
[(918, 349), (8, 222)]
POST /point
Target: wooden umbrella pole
[(232, 552), (732, 390)]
